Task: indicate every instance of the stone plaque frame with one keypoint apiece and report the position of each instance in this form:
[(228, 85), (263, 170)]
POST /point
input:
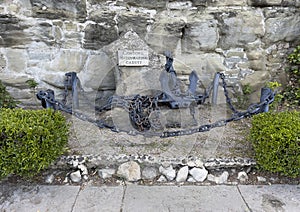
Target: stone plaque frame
[(133, 57)]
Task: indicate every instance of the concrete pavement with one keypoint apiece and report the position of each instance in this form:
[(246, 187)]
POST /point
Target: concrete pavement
[(150, 198)]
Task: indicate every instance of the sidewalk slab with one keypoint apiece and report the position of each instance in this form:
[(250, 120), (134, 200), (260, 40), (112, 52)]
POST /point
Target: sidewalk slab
[(271, 198), (93, 199), (38, 198), (183, 198)]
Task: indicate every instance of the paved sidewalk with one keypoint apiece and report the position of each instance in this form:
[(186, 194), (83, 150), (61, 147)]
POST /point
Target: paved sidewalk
[(150, 198)]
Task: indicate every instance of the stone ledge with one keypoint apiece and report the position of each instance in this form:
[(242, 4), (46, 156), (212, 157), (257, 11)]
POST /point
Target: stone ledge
[(154, 169), (192, 161)]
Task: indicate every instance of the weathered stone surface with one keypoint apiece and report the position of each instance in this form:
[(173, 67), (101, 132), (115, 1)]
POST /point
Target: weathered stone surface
[(53, 79), (39, 53), (191, 180), (206, 3), (106, 173), (242, 176), (211, 178), (162, 179), (16, 60), (222, 178), (180, 5), (205, 65), (199, 163), (201, 33), (75, 176), (53, 9), (256, 80), (25, 96), (265, 3), (98, 72), (254, 55), (17, 81), (166, 32), (12, 31), (134, 21), (2, 63), (149, 173), (199, 174), (83, 169), (50, 178), (257, 65), (182, 174), (131, 171), (283, 27), (101, 30), (261, 179), (168, 172), (152, 4), (241, 28), (67, 61)]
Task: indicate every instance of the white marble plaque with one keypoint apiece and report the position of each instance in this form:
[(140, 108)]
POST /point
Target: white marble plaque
[(133, 58)]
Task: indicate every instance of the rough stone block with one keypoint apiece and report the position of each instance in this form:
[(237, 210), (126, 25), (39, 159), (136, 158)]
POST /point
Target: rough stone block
[(16, 60), (258, 65), (182, 174), (287, 28), (64, 9), (102, 30), (131, 171), (67, 61), (98, 73), (240, 28), (207, 3), (205, 65), (96, 36), (149, 173), (265, 3), (135, 21), (12, 31), (200, 35)]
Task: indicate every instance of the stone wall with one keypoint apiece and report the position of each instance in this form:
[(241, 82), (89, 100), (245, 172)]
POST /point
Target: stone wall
[(248, 40)]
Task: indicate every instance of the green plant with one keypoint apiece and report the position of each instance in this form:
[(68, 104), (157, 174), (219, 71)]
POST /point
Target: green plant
[(247, 89), (294, 57), (243, 100), (32, 83), (30, 140), (276, 141), (6, 101), (275, 86), (292, 91)]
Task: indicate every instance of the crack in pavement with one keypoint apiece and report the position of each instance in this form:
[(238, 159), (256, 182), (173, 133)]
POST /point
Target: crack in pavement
[(73, 205), (123, 197), (248, 207)]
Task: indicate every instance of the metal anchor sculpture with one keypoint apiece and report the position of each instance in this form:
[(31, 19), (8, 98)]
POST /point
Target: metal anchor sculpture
[(171, 92), (140, 107)]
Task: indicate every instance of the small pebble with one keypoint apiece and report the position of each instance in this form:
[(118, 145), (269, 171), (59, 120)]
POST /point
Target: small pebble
[(75, 176), (50, 179)]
